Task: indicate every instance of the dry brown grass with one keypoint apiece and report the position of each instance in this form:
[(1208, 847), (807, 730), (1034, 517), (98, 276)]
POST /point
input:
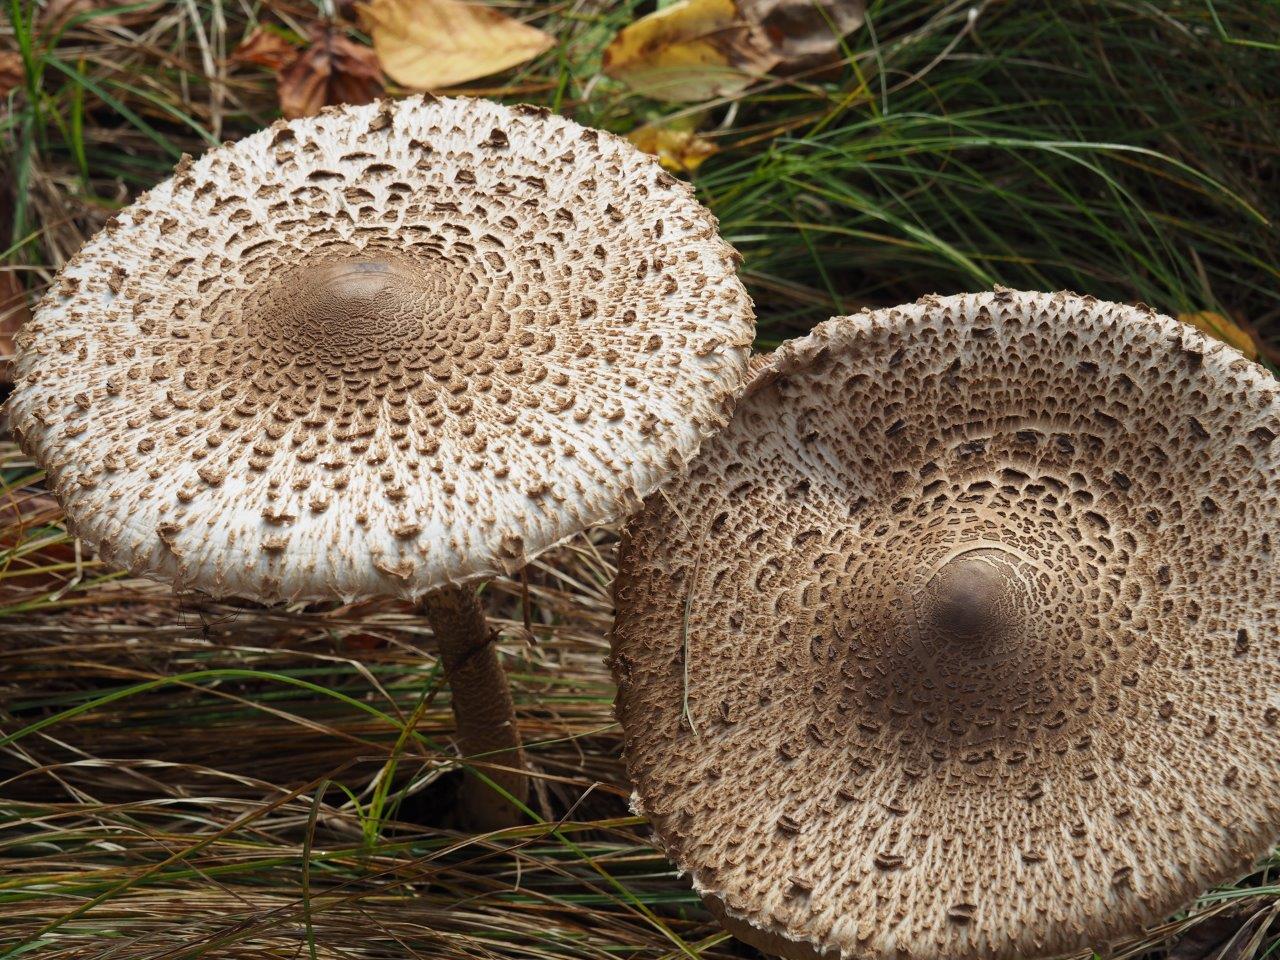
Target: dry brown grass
[(206, 782), (204, 814)]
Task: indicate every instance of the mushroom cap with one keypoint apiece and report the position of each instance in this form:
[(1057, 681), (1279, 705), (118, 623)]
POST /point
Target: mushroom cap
[(963, 639), (380, 350)]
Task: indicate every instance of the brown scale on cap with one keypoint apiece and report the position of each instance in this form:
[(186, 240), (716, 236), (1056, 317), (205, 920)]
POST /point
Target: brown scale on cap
[(961, 641), (381, 350)]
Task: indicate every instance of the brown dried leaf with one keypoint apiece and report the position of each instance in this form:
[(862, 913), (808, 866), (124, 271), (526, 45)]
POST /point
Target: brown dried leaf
[(14, 311), (1222, 328), (429, 44), (13, 314), (265, 48), (805, 33), (332, 70), (358, 643), (680, 151), (1231, 934), (12, 72), (691, 50)]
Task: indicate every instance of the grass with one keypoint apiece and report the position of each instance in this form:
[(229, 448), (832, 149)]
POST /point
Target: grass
[(176, 795), (181, 778)]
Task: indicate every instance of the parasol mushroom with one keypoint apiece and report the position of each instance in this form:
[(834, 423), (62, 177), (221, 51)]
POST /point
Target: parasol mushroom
[(961, 641), (394, 349)]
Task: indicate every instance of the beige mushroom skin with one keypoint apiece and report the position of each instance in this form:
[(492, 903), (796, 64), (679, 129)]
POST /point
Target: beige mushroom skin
[(963, 639), (390, 350)]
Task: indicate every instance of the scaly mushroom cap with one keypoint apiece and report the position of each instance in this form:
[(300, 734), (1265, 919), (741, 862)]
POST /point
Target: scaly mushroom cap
[(379, 350), (962, 640)]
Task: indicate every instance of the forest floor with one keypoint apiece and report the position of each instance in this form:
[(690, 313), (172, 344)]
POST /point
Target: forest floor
[(183, 778)]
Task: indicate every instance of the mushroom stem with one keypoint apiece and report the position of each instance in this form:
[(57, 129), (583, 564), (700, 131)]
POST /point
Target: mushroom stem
[(482, 708)]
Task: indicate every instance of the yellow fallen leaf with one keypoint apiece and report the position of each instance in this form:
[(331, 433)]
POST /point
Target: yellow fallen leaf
[(1222, 328), (429, 44), (680, 151), (691, 50)]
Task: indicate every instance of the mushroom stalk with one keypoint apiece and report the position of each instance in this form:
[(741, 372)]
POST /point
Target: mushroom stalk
[(482, 708)]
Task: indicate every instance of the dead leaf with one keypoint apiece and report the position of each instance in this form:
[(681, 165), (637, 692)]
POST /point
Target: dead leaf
[(1231, 934), (692, 50), (13, 72), (14, 311), (805, 34), (265, 48), (430, 44), (678, 150), (13, 314), (362, 643), (332, 70), (1222, 328)]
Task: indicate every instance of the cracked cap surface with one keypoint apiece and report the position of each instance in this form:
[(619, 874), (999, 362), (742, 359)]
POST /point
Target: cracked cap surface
[(379, 350), (963, 639)]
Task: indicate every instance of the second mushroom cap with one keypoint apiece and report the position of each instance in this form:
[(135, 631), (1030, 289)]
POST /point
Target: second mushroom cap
[(963, 639)]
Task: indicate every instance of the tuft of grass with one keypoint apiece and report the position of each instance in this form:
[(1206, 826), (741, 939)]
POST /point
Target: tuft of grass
[(1120, 149)]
